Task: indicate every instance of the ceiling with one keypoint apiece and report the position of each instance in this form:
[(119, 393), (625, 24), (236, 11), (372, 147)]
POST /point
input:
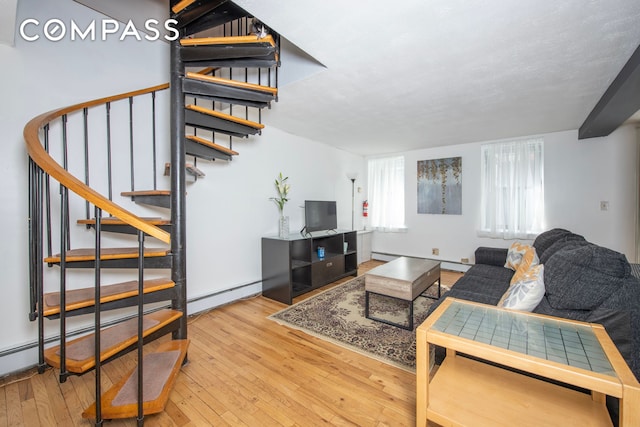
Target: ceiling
[(411, 74)]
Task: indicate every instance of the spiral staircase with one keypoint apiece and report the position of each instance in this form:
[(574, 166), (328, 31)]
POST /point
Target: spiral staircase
[(219, 42)]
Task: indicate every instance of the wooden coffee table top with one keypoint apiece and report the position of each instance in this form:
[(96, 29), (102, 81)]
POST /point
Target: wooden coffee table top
[(404, 269)]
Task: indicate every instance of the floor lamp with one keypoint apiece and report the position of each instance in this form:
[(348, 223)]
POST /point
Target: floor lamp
[(352, 176)]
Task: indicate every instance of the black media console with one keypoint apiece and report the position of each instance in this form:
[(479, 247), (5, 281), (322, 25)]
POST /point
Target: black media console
[(291, 267)]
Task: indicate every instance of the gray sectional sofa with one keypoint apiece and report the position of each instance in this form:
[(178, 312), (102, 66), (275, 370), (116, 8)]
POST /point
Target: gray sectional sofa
[(583, 281)]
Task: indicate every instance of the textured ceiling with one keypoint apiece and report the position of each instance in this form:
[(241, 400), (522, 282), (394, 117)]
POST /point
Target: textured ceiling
[(423, 73), (397, 76)]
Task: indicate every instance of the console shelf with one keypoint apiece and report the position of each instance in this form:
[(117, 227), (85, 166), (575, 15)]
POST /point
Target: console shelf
[(292, 267)]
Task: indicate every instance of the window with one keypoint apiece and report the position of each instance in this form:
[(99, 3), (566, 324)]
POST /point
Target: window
[(512, 186), (386, 193)]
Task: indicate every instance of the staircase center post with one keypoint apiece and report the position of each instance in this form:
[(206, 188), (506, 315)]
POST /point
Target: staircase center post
[(178, 188)]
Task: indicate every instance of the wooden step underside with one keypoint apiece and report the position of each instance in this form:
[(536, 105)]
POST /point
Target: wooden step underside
[(251, 40), (116, 225), (205, 149), (160, 198), (232, 83), (199, 15), (159, 372), (216, 121), (228, 91), (80, 255), (80, 356), (81, 298), (210, 50)]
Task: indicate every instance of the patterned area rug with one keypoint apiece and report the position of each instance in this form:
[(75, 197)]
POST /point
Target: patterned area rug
[(337, 315)]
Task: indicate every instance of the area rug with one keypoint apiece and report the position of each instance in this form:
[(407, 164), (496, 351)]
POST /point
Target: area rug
[(337, 315)]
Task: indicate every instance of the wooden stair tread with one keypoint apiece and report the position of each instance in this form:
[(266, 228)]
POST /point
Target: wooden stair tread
[(232, 83), (146, 193), (212, 144), (117, 221), (89, 254), (80, 298), (224, 116), (181, 5), (160, 370), (80, 352), (212, 41)]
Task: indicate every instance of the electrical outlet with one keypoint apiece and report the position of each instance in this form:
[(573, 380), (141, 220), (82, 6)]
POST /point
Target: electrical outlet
[(464, 260), (435, 251)]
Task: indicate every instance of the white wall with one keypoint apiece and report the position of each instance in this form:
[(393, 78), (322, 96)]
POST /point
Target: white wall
[(578, 175), (227, 212)]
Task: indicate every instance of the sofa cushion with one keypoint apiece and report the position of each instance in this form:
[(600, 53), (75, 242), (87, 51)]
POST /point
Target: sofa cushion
[(498, 274), (491, 256), (569, 242), (485, 290), (548, 238), (582, 278), (527, 292)]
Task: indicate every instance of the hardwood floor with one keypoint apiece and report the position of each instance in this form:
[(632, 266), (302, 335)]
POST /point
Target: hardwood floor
[(243, 370)]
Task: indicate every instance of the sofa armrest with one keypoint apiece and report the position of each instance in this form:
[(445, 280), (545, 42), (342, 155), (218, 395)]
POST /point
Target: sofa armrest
[(491, 256)]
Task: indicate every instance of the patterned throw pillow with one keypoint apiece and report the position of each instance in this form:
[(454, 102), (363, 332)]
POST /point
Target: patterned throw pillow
[(527, 292), (515, 254), (529, 259)]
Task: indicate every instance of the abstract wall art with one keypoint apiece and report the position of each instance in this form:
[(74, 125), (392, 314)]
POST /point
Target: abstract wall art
[(440, 186)]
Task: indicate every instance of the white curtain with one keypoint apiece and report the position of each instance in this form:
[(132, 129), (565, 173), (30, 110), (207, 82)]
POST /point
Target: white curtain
[(512, 185), (386, 193)]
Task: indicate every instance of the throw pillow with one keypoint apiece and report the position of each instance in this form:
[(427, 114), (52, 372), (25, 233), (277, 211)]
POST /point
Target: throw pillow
[(529, 259), (527, 292), (515, 254)]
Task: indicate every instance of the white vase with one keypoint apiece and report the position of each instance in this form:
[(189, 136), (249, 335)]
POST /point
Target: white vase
[(283, 227)]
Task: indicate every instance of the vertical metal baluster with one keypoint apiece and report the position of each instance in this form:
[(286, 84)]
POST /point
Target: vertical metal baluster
[(131, 142), (259, 82), (65, 163), (97, 316), (47, 189), (153, 109), (109, 179), (231, 72), (195, 102), (40, 267), (278, 49), (33, 227), (140, 327), (35, 247), (64, 207), (85, 113)]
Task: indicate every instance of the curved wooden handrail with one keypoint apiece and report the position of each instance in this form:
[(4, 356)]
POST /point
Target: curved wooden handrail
[(50, 166)]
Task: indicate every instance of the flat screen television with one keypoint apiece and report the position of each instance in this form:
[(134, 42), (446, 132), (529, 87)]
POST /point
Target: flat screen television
[(320, 215)]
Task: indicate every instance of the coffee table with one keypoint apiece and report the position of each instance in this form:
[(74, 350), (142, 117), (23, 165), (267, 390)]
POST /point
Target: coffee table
[(404, 278), (564, 351)]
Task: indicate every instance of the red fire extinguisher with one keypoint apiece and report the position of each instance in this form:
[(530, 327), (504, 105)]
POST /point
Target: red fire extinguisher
[(365, 208)]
